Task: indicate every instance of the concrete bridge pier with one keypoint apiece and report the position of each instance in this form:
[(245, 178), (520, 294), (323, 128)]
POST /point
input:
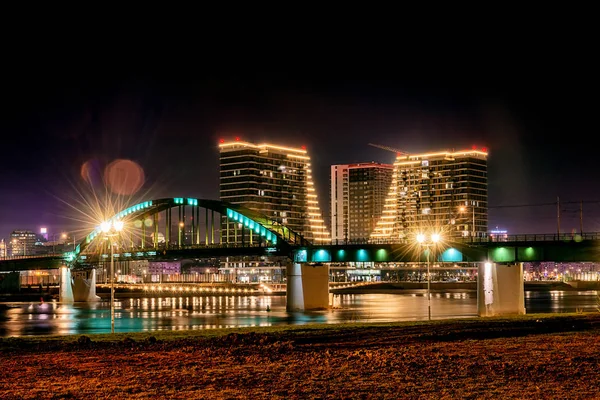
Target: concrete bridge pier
[(78, 288), (65, 291), (500, 289), (307, 287)]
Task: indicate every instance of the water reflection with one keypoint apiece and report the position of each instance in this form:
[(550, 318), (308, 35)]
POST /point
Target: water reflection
[(562, 301), (206, 312)]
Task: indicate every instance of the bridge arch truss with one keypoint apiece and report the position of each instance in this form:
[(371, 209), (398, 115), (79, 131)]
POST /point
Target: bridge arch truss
[(186, 222)]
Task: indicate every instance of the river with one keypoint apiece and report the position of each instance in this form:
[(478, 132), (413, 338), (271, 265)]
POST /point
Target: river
[(208, 312)]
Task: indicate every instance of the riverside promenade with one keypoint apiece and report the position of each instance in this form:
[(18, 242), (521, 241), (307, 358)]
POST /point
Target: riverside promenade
[(528, 357)]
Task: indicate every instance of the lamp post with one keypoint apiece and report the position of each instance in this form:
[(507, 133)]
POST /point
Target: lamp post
[(62, 236), (422, 239), (111, 229), (180, 231)]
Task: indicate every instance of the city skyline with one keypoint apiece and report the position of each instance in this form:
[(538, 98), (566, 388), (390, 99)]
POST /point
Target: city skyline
[(58, 131)]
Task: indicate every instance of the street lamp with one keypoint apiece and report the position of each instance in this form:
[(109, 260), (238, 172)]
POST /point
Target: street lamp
[(180, 230), (111, 229), (424, 241), (62, 236)]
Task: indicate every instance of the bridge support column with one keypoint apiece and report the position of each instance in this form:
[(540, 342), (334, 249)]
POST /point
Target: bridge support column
[(500, 289), (84, 288), (65, 291), (78, 289), (307, 287)]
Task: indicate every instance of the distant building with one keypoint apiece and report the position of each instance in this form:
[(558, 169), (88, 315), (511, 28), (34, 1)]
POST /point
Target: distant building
[(139, 267), (275, 181), (357, 195), (3, 250), (444, 190), (23, 243), (164, 267), (498, 235)]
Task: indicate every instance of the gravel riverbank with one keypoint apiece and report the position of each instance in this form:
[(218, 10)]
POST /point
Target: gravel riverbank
[(543, 356)]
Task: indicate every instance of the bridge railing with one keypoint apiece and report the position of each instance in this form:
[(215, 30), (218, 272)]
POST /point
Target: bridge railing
[(507, 238), (28, 257), (138, 249), (530, 237), (536, 237)]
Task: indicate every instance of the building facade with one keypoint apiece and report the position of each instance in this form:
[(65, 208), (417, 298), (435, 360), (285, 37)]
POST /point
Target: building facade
[(23, 243), (357, 196), (443, 191), (275, 181)]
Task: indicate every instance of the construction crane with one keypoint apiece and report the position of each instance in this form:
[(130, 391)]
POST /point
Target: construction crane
[(397, 151)]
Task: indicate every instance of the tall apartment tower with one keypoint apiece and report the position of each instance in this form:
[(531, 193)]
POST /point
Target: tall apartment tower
[(22, 243), (358, 193), (275, 181), (444, 191)]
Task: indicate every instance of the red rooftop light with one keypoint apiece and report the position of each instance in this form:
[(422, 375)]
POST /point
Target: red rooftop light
[(474, 147), (221, 140), (237, 138), (303, 147), (484, 149)]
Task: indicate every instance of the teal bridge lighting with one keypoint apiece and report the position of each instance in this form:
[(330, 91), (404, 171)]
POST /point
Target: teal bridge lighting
[(183, 238), (246, 223)]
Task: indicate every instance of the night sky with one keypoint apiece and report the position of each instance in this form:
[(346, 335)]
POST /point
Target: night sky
[(533, 107)]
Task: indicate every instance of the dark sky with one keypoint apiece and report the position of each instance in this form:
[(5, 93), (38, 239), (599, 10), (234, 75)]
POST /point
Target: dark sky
[(533, 106)]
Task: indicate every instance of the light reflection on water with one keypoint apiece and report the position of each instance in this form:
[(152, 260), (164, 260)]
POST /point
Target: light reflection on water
[(206, 312)]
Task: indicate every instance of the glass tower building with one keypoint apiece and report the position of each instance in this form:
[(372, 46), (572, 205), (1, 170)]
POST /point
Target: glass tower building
[(445, 191), (358, 193), (275, 181)]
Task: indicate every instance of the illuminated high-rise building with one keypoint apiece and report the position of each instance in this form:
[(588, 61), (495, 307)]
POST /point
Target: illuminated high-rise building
[(22, 243), (275, 181), (444, 191), (357, 195)]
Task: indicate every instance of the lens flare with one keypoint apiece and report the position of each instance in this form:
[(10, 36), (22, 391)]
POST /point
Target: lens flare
[(124, 177), (91, 172)]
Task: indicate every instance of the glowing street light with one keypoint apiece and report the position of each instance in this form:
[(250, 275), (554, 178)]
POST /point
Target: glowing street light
[(423, 241), (110, 230), (62, 236), (181, 225)]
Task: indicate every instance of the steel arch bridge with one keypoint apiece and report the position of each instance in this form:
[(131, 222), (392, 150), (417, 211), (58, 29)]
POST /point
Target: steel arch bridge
[(237, 226)]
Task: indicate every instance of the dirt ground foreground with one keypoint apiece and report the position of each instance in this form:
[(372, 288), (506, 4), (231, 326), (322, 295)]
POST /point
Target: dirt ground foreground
[(537, 357)]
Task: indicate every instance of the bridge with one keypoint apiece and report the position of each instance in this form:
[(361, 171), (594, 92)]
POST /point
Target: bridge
[(517, 248), (215, 228)]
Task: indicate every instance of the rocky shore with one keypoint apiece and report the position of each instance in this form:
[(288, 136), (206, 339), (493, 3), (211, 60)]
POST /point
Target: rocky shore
[(533, 356)]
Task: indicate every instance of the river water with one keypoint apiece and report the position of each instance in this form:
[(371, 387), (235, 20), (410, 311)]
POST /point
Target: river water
[(208, 312)]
